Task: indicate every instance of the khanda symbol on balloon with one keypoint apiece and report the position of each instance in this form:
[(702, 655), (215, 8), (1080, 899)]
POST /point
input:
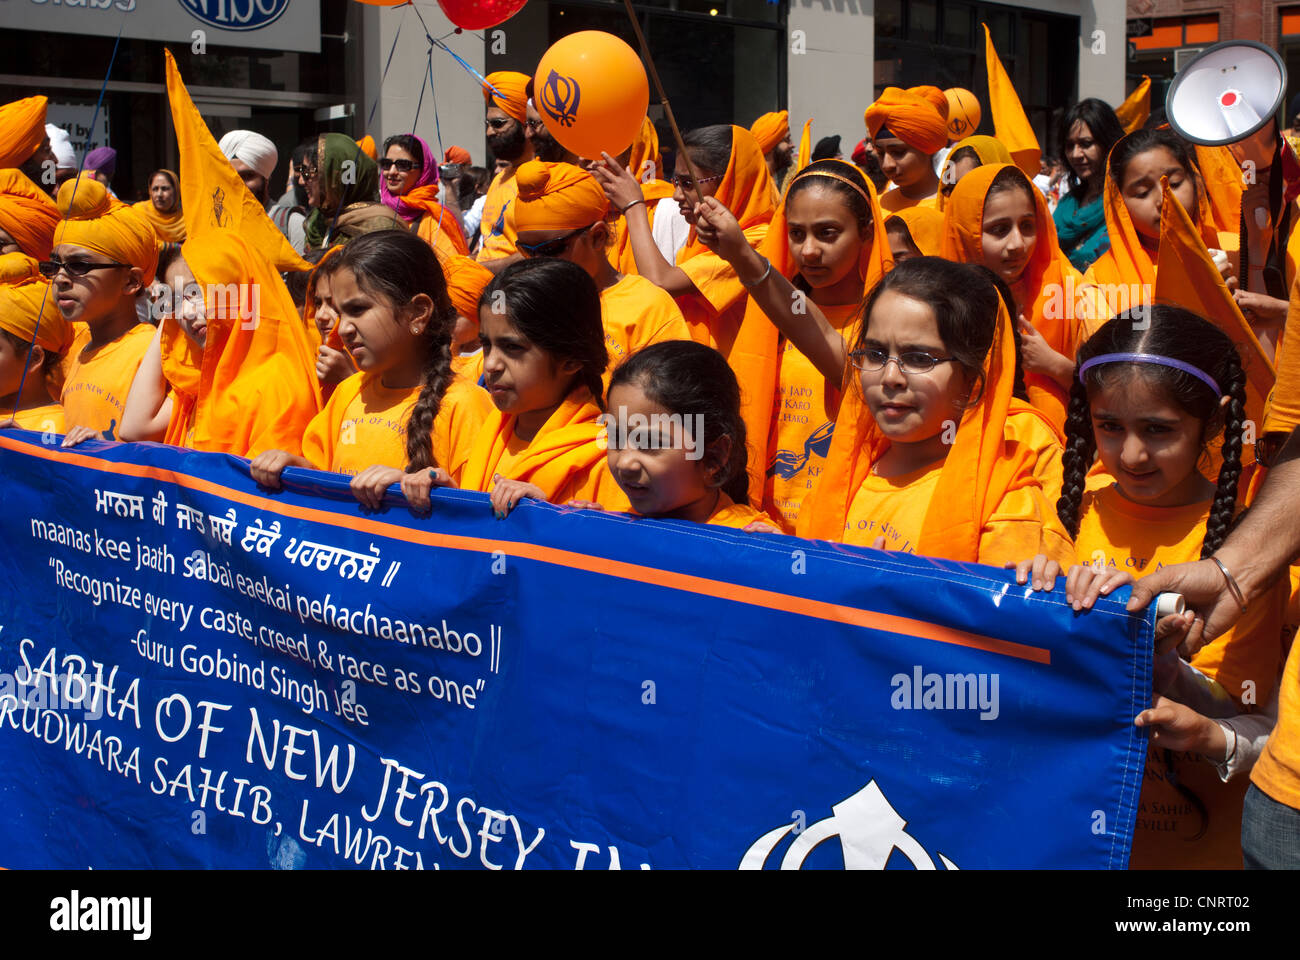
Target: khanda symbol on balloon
[(560, 98), (220, 216)]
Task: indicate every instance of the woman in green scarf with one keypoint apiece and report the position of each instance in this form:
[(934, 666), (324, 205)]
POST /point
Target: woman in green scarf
[(1088, 130), (344, 192)]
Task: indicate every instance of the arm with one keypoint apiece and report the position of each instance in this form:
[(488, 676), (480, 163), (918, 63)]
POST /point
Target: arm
[(792, 312), (148, 407), (623, 189), (1255, 553)]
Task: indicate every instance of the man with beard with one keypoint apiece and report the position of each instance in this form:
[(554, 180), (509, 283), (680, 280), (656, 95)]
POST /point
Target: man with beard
[(772, 131), (254, 158), (506, 97), (545, 147), (24, 143)]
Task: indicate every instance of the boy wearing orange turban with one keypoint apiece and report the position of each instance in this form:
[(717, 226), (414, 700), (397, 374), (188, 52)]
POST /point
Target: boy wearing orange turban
[(562, 213), (27, 216), (907, 131), (466, 278), (104, 257), (30, 323), (772, 131), (507, 110), (23, 141)]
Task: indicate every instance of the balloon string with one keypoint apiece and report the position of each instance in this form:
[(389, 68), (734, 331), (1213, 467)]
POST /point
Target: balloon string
[(375, 106), (94, 118)]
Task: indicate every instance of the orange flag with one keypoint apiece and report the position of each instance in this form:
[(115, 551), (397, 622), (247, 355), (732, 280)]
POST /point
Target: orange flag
[(1135, 110), (805, 147), (1010, 125), (1221, 176), (253, 385), (1187, 277), (216, 200)]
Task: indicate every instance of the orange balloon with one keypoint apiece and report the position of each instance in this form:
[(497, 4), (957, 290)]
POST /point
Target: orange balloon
[(591, 92), (963, 113)]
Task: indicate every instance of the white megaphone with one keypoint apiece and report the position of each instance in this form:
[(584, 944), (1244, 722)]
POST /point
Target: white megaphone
[(1229, 96)]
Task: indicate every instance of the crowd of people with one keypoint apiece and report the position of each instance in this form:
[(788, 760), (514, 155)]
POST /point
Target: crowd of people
[(936, 346)]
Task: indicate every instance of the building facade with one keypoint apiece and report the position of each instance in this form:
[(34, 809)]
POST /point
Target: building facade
[(289, 68)]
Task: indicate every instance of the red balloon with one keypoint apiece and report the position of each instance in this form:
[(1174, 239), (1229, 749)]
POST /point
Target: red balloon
[(480, 14)]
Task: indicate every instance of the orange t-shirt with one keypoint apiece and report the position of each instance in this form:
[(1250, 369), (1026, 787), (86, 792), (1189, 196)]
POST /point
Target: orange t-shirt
[(46, 419), (468, 366), (636, 313), (1124, 535), (895, 508), (891, 201), (498, 224), (728, 513), (803, 423), (1028, 428), (713, 313), (364, 424), (95, 385), (1278, 771)]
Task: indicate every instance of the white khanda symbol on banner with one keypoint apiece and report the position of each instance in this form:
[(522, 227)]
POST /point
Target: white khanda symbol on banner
[(869, 829)]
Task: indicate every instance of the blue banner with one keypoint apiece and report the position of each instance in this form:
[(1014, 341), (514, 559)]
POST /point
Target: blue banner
[(198, 673)]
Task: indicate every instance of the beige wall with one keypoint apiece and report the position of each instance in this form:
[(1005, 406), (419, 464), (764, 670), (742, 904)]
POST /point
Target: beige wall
[(832, 80)]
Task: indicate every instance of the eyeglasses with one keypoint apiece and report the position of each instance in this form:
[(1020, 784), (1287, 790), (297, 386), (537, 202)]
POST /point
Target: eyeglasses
[(535, 125), (403, 166), (687, 183), (913, 361), (307, 173), (551, 248), (496, 123), (74, 268)]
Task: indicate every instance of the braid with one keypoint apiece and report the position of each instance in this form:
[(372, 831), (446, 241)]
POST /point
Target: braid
[(419, 426), (1225, 496), (1080, 447), (1018, 388)]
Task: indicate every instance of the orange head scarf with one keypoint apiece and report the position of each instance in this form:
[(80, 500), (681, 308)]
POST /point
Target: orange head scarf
[(511, 93), (17, 267), (22, 130), (557, 196), (987, 149), (935, 96), (22, 305), (755, 355), (645, 148), (746, 190), (96, 221), (466, 278), (977, 474), (925, 227), (770, 129), (912, 119), (1045, 298), (170, 227), (27, 214)]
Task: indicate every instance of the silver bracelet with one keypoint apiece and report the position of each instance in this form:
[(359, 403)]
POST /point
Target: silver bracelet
[(766, 274), (1233, 587)]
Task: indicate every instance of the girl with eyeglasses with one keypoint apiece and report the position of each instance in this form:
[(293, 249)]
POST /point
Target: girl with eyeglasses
[(921, 459), (732, 169), (408, 184)]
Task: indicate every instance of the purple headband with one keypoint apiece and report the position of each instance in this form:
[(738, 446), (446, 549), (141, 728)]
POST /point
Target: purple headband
[(1151, 358)]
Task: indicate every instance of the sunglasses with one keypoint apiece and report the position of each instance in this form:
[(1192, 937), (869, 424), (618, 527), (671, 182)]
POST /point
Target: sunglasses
[(403, 166), (74, 268), (496, 123), (551, 248), (686, 183)]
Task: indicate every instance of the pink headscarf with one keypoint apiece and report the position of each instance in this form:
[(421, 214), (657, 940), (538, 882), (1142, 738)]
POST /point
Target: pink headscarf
[(428, 178)]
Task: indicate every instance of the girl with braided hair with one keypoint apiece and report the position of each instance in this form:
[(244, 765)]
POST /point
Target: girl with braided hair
[(1152, 389), (404, 411), (543, 360)]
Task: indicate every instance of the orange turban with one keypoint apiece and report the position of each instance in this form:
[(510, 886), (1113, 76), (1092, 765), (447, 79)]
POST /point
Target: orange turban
[(459, 155), (770, 129), (915, 121), (17, 267), (27, 214), (20, 306), (935, 96), (466, 278), (367, 145), (98, 222), (510, 94), (557, 196), (22, 130)]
